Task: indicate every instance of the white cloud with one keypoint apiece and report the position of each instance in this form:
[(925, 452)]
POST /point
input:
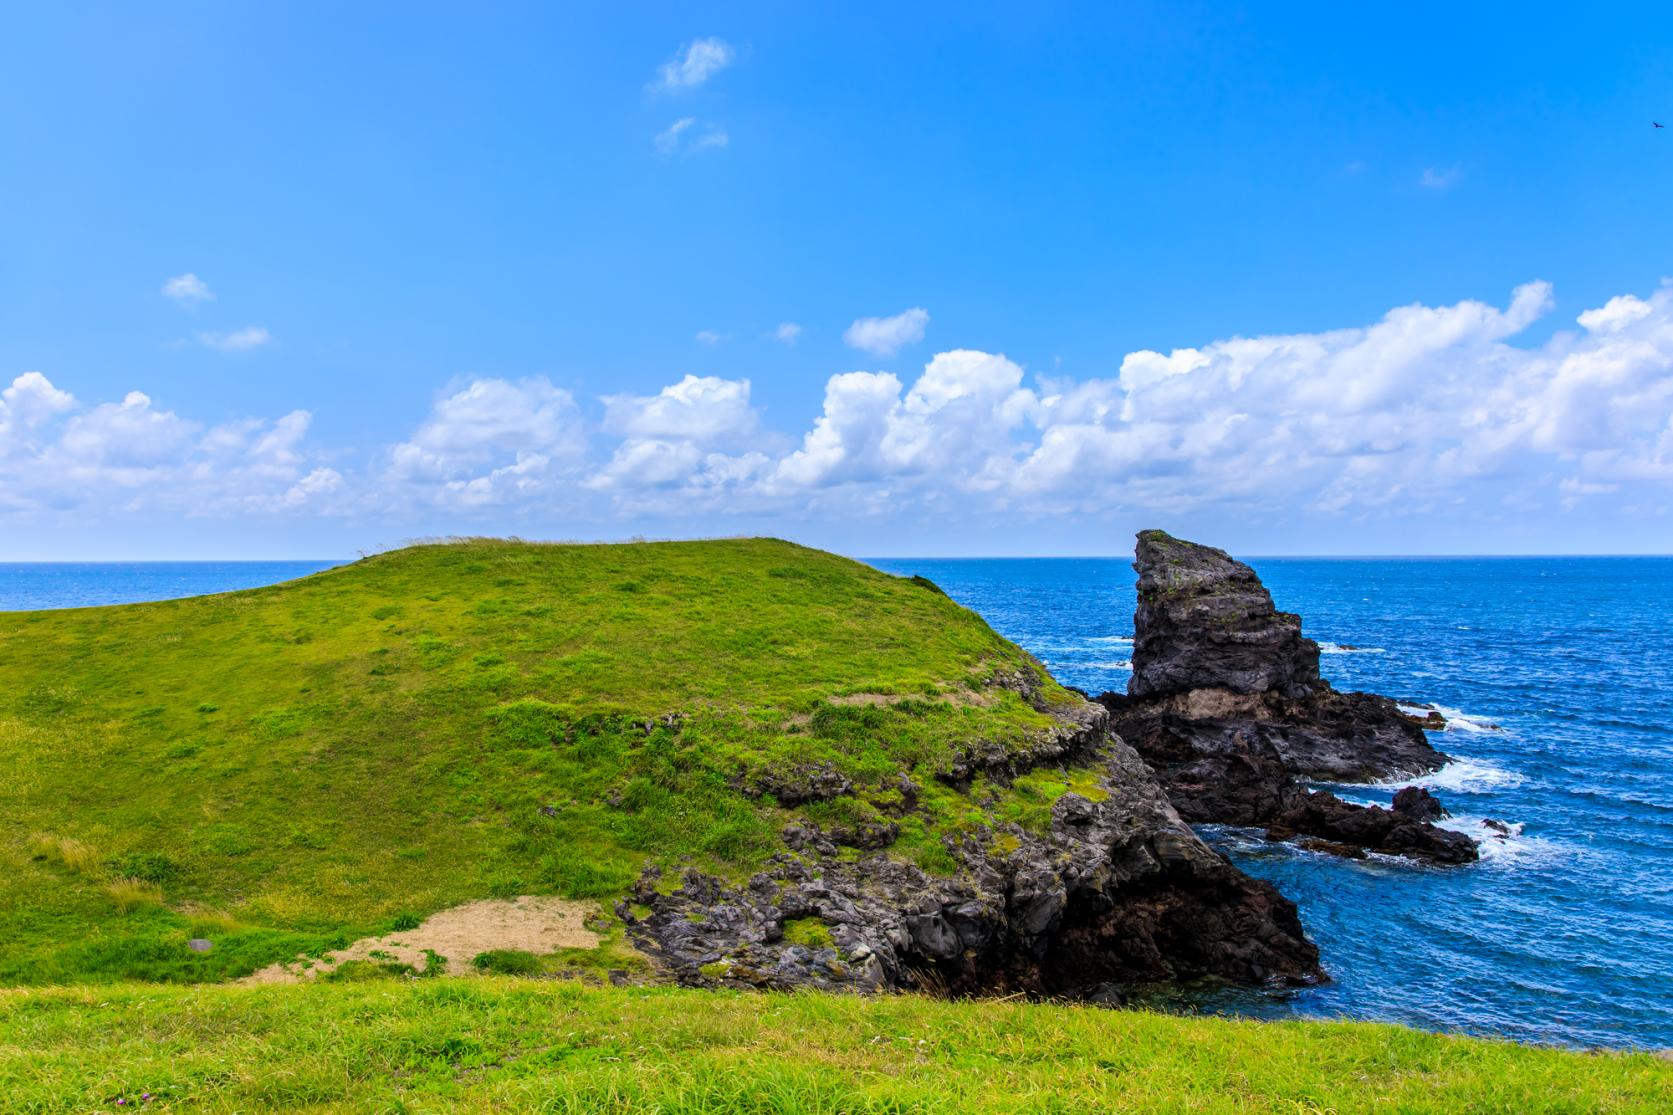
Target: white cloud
[(491, 441), (668, 140), (1439, 178), (29, 403), (129, 435), (1426, 412), (707, 337), (1428, 407), (1615, 314), (701, 409), (648, 463), (787, 333), (134, 455), (695, 64), (712, 136), (846, 440), (885, 336), (680, 138), (239, 340), (187, 290)]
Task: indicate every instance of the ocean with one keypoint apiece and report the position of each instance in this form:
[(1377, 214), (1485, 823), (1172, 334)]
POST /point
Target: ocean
[(1555, 674), (27, 586)]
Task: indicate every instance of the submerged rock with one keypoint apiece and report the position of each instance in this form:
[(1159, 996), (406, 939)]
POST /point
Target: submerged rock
[(1370, 828), (1427, 717), (1118, 891), (1227, 706), (1419, 804)]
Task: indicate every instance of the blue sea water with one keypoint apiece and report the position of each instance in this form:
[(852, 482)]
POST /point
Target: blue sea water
[(1557, 674), (1564, 932), (32, 585)]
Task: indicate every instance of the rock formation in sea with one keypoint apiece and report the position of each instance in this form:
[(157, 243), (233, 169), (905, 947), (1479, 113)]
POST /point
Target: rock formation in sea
[(1227, 706), (1116, 890)]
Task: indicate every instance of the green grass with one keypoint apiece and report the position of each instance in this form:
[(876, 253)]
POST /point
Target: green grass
[(289, 768), (501, 1044)]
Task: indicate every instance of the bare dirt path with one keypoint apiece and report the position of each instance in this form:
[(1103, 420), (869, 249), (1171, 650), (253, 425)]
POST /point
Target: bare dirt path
[(530, 923)]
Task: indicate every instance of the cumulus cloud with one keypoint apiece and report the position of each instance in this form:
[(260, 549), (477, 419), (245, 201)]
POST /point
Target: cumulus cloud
[(30, 402), (696, 63), (707, 337), (1426, 411), (239, 340), (1615, 314), (187, 290), (787, 333), (698, 408), (135, 455), (1427, 407), (666, 434), (490, 442), (885, 336)]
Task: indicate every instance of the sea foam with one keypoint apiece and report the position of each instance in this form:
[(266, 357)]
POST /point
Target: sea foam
[(1461, 776)]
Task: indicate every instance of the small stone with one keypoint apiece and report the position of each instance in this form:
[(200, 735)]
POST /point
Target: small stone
[(200, 944)]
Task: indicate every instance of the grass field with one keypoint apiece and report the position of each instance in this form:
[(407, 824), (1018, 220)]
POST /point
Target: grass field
[(285, 769), (288, 769), (510, 1045)]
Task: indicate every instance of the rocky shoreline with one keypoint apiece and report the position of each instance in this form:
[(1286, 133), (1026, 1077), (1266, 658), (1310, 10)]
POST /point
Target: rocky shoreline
[(1226, 720), (1228, 708), (1119, 891)]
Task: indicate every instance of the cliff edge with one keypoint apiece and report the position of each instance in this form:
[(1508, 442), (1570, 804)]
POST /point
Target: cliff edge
[(1227, 706)]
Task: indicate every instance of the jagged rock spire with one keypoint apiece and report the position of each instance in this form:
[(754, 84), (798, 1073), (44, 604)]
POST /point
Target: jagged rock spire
[(1205, 621)]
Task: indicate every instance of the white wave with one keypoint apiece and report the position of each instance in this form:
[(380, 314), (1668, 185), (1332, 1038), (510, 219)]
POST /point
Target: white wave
[(1461, 776), (1455, 720), (1511, 847), (1118, 664), (1111, 639), (1339, 648), (1464, 722)]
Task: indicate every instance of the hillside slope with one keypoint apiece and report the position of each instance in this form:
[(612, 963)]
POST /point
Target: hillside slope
[(284, 769)]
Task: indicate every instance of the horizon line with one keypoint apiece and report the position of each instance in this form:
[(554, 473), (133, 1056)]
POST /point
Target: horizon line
[(1461, 556)]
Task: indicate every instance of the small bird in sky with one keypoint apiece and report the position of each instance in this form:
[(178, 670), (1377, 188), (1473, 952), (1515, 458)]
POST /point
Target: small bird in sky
[(1653, 123)]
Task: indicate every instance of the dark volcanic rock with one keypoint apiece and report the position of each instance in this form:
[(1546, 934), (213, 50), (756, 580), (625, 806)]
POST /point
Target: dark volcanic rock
[(1419, 804), (1205, 621), (1370, 828), (1119, 891), (794, 786), (1227, 706)]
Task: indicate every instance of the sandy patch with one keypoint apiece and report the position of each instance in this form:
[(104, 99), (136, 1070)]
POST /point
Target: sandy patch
[(530, 923)]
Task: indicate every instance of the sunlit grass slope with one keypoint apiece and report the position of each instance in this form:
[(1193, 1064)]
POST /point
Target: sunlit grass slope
[(508, 1045), (285, 768)]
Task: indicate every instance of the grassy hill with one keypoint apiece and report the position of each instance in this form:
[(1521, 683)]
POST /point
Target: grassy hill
[(293, 768), (288, 768)]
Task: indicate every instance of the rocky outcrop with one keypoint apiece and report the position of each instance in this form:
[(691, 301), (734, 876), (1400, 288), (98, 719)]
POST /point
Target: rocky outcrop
[(1227, 706), (1369, 828), (1205, 622), (1118, 890)]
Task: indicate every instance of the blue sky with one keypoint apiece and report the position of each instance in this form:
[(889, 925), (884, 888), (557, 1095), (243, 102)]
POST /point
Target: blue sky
[(301, 281)]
